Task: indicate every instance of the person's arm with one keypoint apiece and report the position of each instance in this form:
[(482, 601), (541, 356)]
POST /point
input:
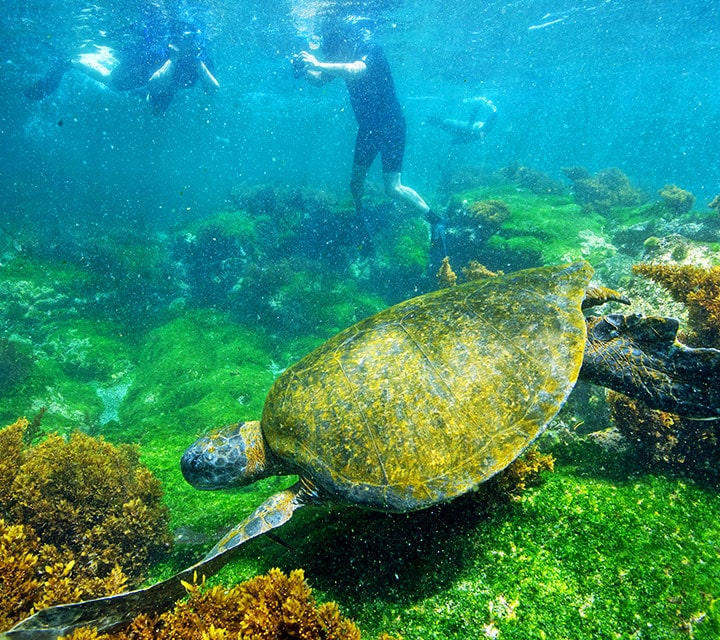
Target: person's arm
[(208, 79), (161, 79), (346, 70)]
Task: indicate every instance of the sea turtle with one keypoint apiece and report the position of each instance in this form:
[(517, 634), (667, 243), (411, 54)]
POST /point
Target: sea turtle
[(420, 403)]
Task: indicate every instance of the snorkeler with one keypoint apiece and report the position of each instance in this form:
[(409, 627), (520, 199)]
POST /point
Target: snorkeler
[(161, 54), (464, 131), (361, 63), (185, 65)]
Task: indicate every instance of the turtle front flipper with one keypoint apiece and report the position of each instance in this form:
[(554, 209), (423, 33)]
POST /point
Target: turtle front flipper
[(641, 357), (111, 612), (272, 513)]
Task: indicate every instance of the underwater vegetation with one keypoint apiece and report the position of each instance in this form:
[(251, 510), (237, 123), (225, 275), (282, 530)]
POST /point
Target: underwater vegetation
[(191, 368), (15, 365), (37, 575), (531, 179), (492, 212), (80, 518), (678, 201), (609, 545), (607, 189), (698, 288), (662, 439), (445, 275), (267, 607), (527, 230)]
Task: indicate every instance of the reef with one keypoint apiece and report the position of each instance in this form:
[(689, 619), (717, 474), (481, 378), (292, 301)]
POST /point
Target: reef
[(445, 275), (698, 289), (676, 200), (528, 230), (80, 518), (606, 189), (531, 179), (491, 212), (661, 439), (273, 606)]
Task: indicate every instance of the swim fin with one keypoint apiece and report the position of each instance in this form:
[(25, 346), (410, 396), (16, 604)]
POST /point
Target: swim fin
[(49, 83)]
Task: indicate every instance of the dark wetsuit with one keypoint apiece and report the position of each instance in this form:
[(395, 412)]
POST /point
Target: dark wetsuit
[(377, 111), (144, 50)]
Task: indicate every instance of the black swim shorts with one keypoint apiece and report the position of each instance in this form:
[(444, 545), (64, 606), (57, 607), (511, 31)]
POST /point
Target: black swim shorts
[(387, 139)]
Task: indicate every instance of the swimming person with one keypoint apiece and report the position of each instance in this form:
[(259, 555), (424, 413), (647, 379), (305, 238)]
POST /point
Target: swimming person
[(361, 63), (464, 131), (160, 54)]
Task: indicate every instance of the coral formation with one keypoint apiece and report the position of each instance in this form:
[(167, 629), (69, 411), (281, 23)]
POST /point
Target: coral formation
[(445, 275), (678, 201), (491, 212), (606, 189), (715, 203), (89, 515), (661, 438), (267, 607), (477, 271), (696, 287), (522, 473), (531, 179)]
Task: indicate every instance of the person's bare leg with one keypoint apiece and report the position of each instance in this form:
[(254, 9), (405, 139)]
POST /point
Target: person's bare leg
[(394, 188)]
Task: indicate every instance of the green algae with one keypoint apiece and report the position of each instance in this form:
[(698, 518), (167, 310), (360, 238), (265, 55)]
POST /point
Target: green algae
[(194, 369), (236, 224), (52, 310), (405, 245), (596, 551), (551, 228)]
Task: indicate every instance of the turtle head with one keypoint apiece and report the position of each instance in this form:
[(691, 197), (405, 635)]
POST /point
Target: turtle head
[(231, 456)]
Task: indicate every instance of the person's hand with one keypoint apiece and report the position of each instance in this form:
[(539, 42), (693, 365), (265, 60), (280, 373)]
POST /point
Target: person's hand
[(311, 62)]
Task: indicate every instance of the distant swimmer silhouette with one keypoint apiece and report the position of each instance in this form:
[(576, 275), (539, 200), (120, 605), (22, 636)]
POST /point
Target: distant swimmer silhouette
[(464, 131)]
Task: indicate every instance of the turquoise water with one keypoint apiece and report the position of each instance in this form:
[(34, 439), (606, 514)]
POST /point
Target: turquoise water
[(597, 83), (158, 272)]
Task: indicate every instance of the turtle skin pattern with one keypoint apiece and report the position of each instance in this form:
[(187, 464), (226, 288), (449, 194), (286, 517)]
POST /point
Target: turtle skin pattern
[(641, 356), (423, 401)]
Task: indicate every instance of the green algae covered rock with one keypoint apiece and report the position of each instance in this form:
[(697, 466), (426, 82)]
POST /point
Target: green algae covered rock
[(61, 347), (535, 229), (197, 370)]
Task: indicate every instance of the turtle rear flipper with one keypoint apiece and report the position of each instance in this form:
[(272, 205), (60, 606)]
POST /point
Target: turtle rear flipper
[(596, 295), (640, 356), (112, 612)]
